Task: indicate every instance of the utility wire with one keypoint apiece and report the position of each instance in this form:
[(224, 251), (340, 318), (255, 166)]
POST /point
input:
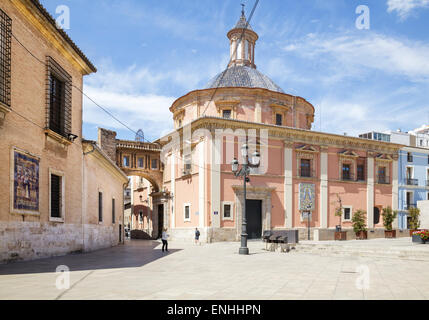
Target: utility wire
[(98, 105)]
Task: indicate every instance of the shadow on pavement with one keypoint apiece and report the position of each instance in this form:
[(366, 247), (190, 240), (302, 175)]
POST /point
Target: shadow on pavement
[(133, 254)]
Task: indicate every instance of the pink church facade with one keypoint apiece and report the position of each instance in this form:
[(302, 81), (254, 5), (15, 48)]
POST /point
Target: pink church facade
[(301, 170)]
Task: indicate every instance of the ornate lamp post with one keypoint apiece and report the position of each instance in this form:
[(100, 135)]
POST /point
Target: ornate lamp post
[(244, 172)]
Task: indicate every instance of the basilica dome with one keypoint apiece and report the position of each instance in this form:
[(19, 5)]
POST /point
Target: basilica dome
[(244, 77)]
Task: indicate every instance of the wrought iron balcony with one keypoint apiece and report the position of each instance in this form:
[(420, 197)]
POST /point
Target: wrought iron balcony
[(411, 182), (383, 179), (306, 173), (347, 176), (408, 206)]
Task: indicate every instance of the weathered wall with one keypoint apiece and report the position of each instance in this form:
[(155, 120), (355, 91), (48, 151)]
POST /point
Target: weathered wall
[(424, 213)]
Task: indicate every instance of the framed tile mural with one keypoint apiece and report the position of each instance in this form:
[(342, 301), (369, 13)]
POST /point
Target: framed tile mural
[(25, 182), (307, 197)]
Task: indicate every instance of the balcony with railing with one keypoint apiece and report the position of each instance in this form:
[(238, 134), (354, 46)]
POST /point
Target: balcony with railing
[(383, 179), (408, 206), (306, 173), (347, 176), (411, 182)]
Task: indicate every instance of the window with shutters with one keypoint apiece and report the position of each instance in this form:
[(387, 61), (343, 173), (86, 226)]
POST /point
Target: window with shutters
[(5, 58), (59, 101), (56, 196)]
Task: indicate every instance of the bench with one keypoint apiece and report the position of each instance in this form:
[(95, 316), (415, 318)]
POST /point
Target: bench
[(284, 238)]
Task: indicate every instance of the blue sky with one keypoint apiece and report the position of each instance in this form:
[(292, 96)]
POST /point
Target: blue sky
[(148, 53)]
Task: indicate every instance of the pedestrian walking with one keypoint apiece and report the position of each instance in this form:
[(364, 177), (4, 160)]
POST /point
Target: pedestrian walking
[(164, 240), (197, 236)]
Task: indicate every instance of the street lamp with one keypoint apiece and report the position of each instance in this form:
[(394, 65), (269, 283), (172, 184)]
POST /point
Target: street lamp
[(244, 172)]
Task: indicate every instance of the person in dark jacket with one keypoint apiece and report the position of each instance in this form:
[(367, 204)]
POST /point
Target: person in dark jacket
[(197, 236)]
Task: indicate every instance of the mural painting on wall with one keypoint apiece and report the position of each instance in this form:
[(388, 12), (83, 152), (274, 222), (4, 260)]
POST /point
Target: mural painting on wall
[(26, 182), (307, 196)]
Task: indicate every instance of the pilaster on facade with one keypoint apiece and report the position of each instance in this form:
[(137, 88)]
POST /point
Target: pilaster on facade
[(395, 189), (370, 192), (201, 183), (216, 147), (173, 189), (324, 187), (288, 183)]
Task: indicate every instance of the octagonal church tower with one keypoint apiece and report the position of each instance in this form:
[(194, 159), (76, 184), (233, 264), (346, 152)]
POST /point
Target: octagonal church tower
[(241, 92), (301, 170)]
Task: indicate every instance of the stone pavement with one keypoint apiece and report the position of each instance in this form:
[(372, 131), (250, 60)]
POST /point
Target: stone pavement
[(139, 270)]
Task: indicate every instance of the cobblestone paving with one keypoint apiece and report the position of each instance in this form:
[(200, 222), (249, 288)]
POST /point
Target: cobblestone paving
[(139, 270)]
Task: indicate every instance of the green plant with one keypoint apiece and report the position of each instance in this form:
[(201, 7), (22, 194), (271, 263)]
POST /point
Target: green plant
[(339, 210), (389, 216), (424, 234), (414, 214), (358, 220)]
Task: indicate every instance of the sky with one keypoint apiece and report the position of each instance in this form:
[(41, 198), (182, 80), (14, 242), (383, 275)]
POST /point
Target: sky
[(149, 53)]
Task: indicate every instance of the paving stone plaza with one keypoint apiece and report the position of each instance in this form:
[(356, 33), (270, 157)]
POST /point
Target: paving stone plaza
[(139, 270)]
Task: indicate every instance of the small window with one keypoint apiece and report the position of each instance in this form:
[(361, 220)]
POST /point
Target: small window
[(227, 211), (141, 216), (187, 213), (5, 57), (140, 162), (279, 119), (346, 171), (361, 172), (180, 123), (126, 161), (113, 211), (305, 168), (100, 207), (226, 114), (154, 164), (409, 157), (187, 166), (56, 196), (347, 213)]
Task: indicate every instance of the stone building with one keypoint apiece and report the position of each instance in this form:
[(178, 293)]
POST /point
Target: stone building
[(301, 170), (52, 201)]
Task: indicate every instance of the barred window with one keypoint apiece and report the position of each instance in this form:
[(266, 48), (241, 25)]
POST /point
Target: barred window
[(5, 57), (59, 87)]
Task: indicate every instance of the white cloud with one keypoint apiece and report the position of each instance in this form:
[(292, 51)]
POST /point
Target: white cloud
[(404, 7), (149, 112), (355, 55)]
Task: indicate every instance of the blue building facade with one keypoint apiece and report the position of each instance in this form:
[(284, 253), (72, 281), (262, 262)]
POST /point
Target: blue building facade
[(413, 181)]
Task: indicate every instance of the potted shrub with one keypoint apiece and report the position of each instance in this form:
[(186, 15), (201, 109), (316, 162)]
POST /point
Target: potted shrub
[(339, 234), (421, 236), (414, 215), (359, 225), (388, 217)]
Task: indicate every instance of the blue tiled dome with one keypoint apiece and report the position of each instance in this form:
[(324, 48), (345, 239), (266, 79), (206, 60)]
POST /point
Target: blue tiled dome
[(245, 77)]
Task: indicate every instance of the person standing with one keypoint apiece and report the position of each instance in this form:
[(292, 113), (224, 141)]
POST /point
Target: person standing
[(164, 240), (197, 236)]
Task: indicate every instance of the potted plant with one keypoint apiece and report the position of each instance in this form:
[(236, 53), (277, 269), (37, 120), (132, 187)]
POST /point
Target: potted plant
[(414, 215), (359, 225), (389, 216), (339, 234), (421, 236)]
